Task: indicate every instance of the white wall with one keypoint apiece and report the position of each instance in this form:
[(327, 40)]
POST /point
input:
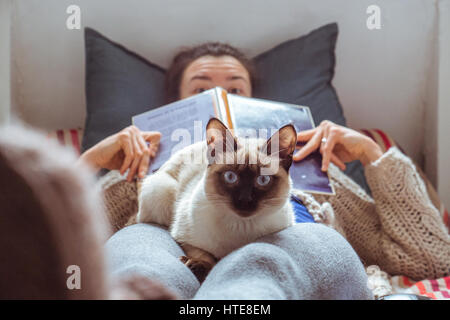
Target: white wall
[(430, 141), (443, 156), (5, 97)]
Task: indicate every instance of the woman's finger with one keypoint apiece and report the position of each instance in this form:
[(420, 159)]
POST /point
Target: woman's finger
[(136, 145), (309, 147), (153, 151), (326, 148), (306, 135), (145, 158), (325, 134), (138, 152), (338, 162), (128, 150), (143, 166), (141, 141), (153, 137), (133, 168)]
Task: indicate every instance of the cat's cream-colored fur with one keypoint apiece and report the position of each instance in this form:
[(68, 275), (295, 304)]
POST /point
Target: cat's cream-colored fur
[(180, 196)]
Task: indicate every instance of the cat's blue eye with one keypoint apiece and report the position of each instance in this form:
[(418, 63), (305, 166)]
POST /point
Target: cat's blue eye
[(263, 180), (230, 177)]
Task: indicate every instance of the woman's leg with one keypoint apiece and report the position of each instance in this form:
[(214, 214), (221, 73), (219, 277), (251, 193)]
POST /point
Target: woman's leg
[(150, 251), (305, 261)]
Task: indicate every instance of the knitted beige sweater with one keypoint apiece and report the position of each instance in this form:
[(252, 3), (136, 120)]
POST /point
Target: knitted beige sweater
[(398, 229)]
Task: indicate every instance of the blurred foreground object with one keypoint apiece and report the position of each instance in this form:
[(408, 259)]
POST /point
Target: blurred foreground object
[(51, 219)]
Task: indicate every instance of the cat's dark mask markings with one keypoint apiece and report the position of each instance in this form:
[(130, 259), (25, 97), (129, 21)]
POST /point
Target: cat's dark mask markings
[(249, 185)]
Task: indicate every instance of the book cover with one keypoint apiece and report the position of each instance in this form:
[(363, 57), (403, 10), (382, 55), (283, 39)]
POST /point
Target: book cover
[(183, 122)]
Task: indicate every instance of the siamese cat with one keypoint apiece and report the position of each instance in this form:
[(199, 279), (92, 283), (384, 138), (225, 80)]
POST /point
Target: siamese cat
[(237, 192)]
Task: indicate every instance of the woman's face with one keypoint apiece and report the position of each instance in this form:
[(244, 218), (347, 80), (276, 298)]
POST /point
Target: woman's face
[(208, 72)]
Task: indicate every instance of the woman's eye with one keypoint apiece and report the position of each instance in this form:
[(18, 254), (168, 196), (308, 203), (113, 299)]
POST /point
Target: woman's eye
[(199, 90), (230, 177), (263, 180), (235, 91)]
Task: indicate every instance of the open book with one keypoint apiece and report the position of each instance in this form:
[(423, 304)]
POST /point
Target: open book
[(183, 123)]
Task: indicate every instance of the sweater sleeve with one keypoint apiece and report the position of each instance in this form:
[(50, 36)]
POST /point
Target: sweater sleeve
[(398, 229), (414, 238), (120, 199)]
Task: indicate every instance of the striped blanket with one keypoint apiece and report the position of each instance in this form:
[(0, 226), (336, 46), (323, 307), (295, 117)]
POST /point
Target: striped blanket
[(433, 288)]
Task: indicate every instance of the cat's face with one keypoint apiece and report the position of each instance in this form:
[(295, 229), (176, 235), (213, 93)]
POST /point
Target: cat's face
[(243, 177)]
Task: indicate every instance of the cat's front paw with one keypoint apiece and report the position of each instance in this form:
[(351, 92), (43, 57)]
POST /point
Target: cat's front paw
[(199, 268)]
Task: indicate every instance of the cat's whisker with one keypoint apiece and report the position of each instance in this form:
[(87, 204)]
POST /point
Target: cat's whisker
[(276, 153)]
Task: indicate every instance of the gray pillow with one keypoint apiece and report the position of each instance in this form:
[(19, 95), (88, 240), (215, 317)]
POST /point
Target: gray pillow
[(119, 84), (300, 71)]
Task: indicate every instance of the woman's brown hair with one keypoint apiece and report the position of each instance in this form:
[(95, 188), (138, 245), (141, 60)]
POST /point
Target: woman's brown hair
[(183, 58)]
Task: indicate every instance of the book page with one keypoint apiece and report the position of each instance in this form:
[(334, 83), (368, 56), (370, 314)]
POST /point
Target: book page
[(266, 117), (181, 123), (221, 104)]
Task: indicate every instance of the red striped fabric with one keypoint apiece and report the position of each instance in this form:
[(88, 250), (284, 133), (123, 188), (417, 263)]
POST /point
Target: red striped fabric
[(68, 137), (430, 295), (60, 136), (385, 139), (75, 142), (421, 287), (447, 282), (407, 282), (434, 285), (438, 289), (446, 219)]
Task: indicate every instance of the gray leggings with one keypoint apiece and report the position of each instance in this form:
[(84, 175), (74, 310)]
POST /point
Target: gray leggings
[(305, 261)]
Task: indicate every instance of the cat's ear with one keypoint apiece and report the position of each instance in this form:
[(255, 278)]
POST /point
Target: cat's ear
[(220, 141), (282, 143)]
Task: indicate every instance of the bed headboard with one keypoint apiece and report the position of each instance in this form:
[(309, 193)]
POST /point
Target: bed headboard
[(381, 75)]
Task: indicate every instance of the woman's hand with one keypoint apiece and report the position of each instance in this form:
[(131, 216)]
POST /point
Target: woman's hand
[(337, 144), (127, 149)]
